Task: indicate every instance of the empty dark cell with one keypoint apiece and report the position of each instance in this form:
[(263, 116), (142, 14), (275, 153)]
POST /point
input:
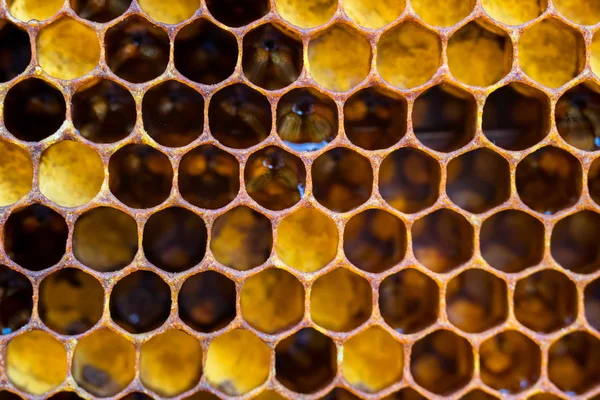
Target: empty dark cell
[(100, 10), (237, 12), (478, 395), (592, 304), (15, 51), (574, 362), (339, 394), (33, 110), (594, 180), (136, 396), (406, 394), (574, 243), (65, 396), (16, 300), (5, 395), (578, 118), (103, 111), (202, 396), (35, 237)]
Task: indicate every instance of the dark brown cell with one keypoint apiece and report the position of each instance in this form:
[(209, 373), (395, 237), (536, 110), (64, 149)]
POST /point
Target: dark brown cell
[(65, 396), (16, 300), (237, 13), (478, 394), (574, 243), (136, 396), (15, 50), (578, 117), (406, 394), (592, 304), (574, 362), (6, 395), (594, 180), (340, 394), (202, 396), (100, 11)]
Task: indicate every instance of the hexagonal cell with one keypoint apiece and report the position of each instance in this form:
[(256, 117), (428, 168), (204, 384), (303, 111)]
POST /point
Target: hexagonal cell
[(209, 177), (375, 118), (15, 50), (272, 56), (274, 178), (35, 237), (510, 362), (579, 12), (409, 180), (35, 362), (442, 362), (443, 14), (545, 301), (408, 301), (306, 13), (237, 13), (514, 12), (515, 116), (333, 63), (173, 114), (307, 240), (175, 239), (476, 301), (103, 111), (33, 110), (374, 15), (409, 55), (375, 240), (342, 179), (306, 119), (140, 176), (170, 363), (16, 173), (406, 394), (574, 362), (512, 240), (478, 394), (65, 396), (305, 362), (478, 180), (205, 53), (240, 117), (207, 301), (549, 180), (442, 240), (573, 244), (340, 394), (566, 54), (444, 118), (140, 302), (104, 363), (70, 173), (237, 362), (100, 12), (177, 11), (595, 53), (578, 117), (594, 180), (340, 300), (136, 50), (70, 301), (77, 54), (16, 300), (373, 360), (272, 300), (242, 238), (592, 304), (27, 10), (479, 54)]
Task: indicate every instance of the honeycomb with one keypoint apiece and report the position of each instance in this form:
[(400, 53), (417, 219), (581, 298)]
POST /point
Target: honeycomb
[(286, 199)]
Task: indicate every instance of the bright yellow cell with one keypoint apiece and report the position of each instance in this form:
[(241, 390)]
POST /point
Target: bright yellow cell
[(169, 12), (237, 362), (306, 13), (551, 52), (339, 58), (514, 12), (595, 49), (408, 55), (443, 13), (36, 362), (373, 360), (16, 173), (68, 49), (585, 12), (307, 240), (171, 363), (26, 10), (374, 14), (71, 174)]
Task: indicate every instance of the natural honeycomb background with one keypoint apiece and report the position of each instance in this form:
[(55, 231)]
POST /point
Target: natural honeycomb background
[(300, 199)]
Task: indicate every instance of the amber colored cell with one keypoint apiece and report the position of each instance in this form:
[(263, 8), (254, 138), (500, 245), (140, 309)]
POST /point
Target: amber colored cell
[(548, 396), (442, 362), (476, 301), (35, 362), (237, 362), (515, 117), (551, 42), (512, 240), (574, 362), (479, 54), (340, 394), (549, 180), (374, 15), (170, 363), (375, 240), (242, 238), (237, 12), (305, 362), (573, 243), (580, 12), (27, 10), (201, 395), (342, 179), (408, 301), (16, 173), (306, 13), (105, 239), (16, 300), (15, 50), (35, 237), (207, 301), (340, 300), (478, 394), (70, 301), (406, 394), (595, 53), (269, 395), (442, 240), (592, 304), (594, 181), (545, 301), (443, 14), (577, 117), (514, 12), (103, 363), (175, 12), (444, 118), (510, 362), (99, 11), (334, 64)]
